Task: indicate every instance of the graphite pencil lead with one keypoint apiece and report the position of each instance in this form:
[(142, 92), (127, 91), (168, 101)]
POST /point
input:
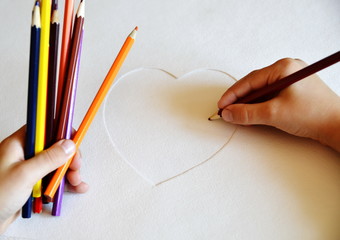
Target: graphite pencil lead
[(215, 116)]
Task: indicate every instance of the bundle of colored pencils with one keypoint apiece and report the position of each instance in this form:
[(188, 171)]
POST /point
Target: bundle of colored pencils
[(50, 104)]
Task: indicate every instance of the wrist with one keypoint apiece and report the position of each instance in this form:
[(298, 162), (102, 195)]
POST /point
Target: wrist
[(3, 226)]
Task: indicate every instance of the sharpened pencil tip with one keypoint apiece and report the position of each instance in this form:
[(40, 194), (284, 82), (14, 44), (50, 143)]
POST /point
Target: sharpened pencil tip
[(37, 3), (134, 33), (215, 116)]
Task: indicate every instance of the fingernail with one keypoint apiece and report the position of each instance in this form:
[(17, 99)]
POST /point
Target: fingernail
[(227, 115), (68, 146)]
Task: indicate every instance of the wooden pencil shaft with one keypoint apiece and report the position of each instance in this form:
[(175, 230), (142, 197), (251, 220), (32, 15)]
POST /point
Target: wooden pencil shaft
[(59, 174), (100, 96), (32, 98), (51, 87), (64, 53), (69, 83), (42, 84), (58, 197), (32, 93)]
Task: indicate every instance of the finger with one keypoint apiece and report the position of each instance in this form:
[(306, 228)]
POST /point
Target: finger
[(48, 160), (19, 135), (14, 145), (76, 161), (81, 188), (253, 81), (73, 177), (259, 79), (250, 114)]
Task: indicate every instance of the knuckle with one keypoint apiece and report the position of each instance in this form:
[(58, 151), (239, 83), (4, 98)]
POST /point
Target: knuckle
[(13, 147), (270, 112), (244, 116), (253, 73), (290, 65), (248, 115), (8, 143)]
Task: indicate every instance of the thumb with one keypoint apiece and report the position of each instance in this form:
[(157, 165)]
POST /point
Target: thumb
[(248, 114), (49, 160)]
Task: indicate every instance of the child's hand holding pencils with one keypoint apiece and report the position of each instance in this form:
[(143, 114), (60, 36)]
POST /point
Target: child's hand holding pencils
[(17, 176)]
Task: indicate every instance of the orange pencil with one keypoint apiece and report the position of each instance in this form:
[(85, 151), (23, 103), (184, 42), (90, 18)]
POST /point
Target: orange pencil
[(64, 52), (91, 113)]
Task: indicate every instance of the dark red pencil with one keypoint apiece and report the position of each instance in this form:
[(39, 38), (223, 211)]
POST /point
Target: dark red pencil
[(270, 91), (51, 85), (52, 76)]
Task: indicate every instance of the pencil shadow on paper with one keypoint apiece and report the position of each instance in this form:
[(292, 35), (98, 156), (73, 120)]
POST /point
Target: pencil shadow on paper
[(194, 102)]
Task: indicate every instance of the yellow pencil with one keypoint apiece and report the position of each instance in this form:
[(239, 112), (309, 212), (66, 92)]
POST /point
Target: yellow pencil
[(42, 84)]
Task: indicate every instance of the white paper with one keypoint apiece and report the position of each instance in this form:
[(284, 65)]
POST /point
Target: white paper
[(159, 123), (264, 184)]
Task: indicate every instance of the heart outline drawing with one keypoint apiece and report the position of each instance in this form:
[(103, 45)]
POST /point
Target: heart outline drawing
[(158, 122)]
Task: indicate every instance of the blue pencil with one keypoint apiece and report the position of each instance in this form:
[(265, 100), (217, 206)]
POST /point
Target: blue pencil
[(32, 96)]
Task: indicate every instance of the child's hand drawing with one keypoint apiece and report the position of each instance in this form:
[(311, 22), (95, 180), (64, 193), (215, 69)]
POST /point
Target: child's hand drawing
[(308, 108)]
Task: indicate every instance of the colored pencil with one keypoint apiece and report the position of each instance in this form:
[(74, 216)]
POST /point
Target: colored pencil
[(272, 90), (37, 204), (42, 84), (32, 96), (64, 52), (66, 115), (42, 90), (54, 7), (52, 75), (91, 113), (51, 85), (64, 131)]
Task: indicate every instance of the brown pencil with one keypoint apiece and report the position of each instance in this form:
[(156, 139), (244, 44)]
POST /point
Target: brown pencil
[(51, 85), (52, 75), (65, 106)]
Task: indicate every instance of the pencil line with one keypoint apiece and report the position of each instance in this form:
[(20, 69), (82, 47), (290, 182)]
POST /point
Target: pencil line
[(180, 174)]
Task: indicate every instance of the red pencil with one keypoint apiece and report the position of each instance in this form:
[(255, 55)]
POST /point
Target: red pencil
[(64, 53), (37, 205)]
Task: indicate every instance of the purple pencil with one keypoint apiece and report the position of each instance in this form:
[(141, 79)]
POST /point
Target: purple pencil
[(58, 198), (57, 201)]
